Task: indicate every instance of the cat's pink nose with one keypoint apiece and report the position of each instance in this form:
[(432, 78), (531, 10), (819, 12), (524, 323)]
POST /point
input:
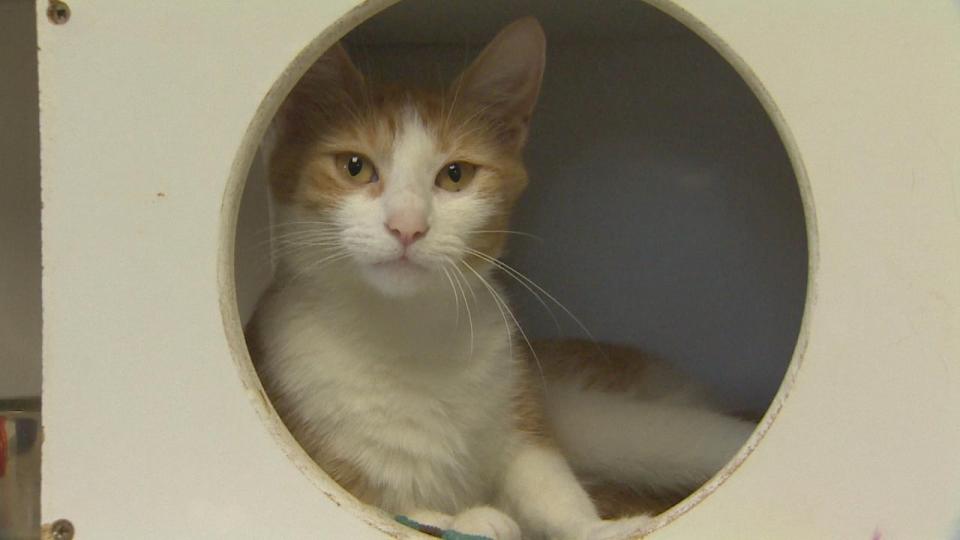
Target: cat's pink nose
[(407, 229)]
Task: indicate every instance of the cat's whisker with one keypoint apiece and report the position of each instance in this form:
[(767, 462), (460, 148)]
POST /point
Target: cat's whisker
[(325, 261), (298, 236), (295, 255), (305, 225), (500, 302), (466, 302), (445, 124), (283, 228), (306, 241), (443, 113), (268, 239), (480, 111), (292, 223), (456, 297), (309, 250), (304, 230), (480, 129), (292, 248), (472, 293), (310, 230), (506, 324), (518, 233), (464, 135), (501, 266), (329, 260), (287, 243), (520, 275)]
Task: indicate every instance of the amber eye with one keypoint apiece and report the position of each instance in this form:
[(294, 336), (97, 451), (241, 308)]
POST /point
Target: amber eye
[(356, 168), (455, 176)]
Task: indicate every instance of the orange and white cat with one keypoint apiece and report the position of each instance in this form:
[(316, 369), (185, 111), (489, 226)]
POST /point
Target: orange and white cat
[(385, 342)]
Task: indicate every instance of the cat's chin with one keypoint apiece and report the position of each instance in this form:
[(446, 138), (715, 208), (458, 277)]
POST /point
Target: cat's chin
[(398, 278)]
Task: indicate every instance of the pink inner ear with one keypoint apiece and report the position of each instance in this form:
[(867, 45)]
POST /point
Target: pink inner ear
[(508, 73)]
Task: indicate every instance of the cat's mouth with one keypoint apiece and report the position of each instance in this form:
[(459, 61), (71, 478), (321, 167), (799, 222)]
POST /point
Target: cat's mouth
[(399, 263)]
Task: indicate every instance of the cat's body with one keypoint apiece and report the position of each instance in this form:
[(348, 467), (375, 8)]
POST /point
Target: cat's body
[(400, 412), (386, 345)]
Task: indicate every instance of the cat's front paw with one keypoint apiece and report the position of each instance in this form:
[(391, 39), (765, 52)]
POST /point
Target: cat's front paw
[(630, 528), (488, 522)]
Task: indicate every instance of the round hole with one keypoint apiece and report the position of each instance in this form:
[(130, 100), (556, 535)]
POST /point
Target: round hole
[(665, 208)]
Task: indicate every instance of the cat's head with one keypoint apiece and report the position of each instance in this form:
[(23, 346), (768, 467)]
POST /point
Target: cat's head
[(403, 186)]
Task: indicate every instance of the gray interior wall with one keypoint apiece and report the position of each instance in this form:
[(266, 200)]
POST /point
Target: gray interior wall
[(669, 214), (252, 255), (20, 321)]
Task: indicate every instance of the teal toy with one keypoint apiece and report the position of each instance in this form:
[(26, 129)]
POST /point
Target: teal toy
[(444, 534)]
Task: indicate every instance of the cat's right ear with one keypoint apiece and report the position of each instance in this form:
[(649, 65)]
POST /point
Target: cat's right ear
[(331, 82)]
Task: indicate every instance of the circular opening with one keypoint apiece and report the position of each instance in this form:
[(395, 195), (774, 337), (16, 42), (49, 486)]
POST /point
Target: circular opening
[(662, 213)]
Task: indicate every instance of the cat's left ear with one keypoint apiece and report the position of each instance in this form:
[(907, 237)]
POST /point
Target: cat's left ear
[(330, 84), (506, 77)]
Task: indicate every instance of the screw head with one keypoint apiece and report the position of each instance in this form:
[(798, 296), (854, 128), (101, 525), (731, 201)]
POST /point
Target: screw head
[(58, 12), (62, 529)]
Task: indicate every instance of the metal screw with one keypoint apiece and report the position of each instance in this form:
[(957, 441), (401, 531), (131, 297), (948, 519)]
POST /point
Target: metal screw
[(58, 12), (62, 529)]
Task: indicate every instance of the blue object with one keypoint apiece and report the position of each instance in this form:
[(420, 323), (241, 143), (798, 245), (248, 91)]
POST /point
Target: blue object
[(448, 534), (451, 534)]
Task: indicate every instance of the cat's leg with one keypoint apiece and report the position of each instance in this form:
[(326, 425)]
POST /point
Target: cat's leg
[(483, 521), (486, 521), (542, 493), (645, 444)]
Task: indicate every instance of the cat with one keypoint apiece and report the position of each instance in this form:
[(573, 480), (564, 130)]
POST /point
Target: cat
[(387, 347)]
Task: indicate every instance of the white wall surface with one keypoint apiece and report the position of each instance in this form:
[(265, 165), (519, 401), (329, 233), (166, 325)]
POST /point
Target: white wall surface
[(865, 444), (19, 203)]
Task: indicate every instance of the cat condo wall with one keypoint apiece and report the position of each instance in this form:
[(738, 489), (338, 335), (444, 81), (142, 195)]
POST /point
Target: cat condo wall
[(150, 122)]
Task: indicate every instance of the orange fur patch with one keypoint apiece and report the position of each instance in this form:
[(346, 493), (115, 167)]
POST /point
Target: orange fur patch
[(610, 368), (302, 167), (603, 366), (528, 405)]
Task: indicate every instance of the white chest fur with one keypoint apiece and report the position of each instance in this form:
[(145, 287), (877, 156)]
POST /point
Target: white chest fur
[(412, 398)]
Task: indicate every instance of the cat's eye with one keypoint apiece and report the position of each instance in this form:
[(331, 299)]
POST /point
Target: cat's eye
[(455, 176), (356, 168)]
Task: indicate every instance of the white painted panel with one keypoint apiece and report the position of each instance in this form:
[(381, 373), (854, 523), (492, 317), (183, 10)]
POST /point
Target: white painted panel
[(150, 433)]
